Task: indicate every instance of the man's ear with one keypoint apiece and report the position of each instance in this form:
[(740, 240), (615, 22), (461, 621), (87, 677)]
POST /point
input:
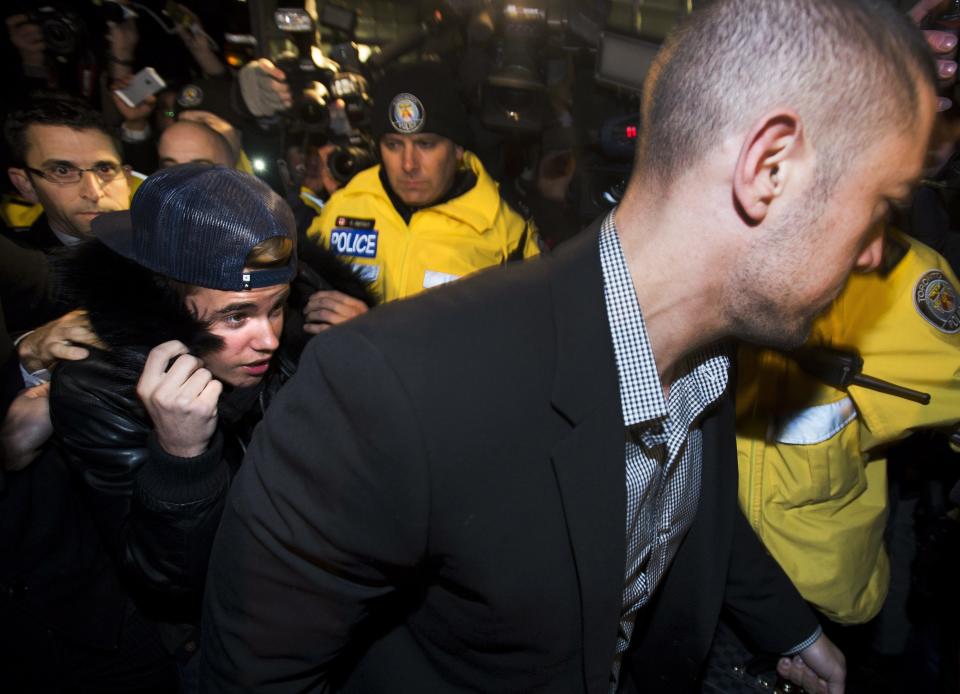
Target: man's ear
[(767, 161), (24, 185), (459, 152)]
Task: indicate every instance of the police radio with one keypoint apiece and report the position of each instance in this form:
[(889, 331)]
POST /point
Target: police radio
[(843, 368)]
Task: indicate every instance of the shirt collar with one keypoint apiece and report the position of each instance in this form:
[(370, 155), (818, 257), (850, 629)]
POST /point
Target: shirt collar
[(641, 394), (66, 239), (703, 376)]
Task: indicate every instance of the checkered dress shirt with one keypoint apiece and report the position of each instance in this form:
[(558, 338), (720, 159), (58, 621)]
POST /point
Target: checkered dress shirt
[(662, 439)]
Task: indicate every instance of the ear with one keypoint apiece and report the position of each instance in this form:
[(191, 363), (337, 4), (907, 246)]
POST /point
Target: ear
[(459, 152), (24, 185), (768, 160)]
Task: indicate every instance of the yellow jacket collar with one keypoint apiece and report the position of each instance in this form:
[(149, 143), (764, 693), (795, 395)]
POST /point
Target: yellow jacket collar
[(477, 208)]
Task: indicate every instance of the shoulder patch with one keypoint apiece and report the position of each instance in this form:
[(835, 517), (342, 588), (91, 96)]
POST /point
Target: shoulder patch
[(936, 300)]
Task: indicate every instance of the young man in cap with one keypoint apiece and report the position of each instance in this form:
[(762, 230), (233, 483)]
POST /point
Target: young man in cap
[(429, 213), (188, 291)]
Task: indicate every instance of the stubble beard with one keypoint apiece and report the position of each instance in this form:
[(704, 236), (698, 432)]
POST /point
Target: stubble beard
[(763, 285), (766, 326)]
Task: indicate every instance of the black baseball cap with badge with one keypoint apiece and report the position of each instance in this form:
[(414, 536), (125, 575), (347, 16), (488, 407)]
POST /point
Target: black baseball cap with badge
[(419, 98), (197, 223)]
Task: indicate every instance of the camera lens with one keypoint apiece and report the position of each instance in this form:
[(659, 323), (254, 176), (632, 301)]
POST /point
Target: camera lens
[(59, 36), (346, 162)]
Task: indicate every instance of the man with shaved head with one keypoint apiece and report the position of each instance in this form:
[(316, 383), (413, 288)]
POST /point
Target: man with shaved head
[(527, 481), (186, 142)]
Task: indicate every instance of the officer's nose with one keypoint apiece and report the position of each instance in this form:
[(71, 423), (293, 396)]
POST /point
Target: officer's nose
[(409, 162)]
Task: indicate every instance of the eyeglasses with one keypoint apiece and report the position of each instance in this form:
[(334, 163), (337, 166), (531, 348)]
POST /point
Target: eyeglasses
[(65, 174)]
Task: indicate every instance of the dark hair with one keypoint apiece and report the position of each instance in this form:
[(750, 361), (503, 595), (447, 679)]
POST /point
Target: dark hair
[(848, 67), (50, 110)]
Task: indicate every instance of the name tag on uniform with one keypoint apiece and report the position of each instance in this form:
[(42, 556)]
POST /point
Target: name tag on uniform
[(355, 238)]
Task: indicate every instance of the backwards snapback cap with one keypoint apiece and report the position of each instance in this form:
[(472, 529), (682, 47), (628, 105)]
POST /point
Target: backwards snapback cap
[(419, 98), (197, 224)]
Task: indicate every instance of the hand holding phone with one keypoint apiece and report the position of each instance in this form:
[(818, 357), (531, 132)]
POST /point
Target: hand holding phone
[(145, 83)]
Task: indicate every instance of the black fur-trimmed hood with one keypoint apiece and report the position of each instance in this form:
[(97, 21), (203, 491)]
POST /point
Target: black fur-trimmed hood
[(321, 269), (132, 309)]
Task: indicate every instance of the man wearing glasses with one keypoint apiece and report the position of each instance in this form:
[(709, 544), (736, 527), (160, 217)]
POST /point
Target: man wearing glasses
[(69, 162)]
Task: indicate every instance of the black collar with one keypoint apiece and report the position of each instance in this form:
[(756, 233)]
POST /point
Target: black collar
[(38, 236), (463, 181)]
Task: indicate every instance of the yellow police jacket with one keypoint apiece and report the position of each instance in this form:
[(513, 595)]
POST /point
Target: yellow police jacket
[(442, 243), (813, 480)]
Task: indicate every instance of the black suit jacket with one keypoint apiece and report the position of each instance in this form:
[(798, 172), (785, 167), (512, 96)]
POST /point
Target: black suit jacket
[(38, 236), (436, 502)]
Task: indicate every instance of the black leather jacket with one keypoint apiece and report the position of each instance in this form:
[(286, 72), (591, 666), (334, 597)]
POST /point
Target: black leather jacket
[(156, 513)]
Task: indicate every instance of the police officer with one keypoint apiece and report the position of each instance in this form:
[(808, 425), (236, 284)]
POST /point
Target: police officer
[(813, 478), (429, 213)]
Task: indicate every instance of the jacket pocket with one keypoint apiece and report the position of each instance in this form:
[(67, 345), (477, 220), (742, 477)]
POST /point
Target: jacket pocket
[(818, 449)]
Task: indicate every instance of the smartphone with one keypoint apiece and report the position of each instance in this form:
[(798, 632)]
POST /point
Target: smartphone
[(145, 83)]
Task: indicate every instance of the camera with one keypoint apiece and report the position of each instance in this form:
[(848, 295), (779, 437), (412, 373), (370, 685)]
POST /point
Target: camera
[(64, 32), (71, 35), (347, 161), (67, 27), (514, 94), (331, 95), (294, 54)]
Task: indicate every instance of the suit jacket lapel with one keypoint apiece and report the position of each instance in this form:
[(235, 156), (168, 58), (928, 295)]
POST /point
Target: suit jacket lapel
[(589, 463)]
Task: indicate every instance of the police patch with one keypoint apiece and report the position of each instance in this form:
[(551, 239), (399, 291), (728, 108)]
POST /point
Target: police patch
[(355, 243), (936, 300), (406, 113), (190, 96)]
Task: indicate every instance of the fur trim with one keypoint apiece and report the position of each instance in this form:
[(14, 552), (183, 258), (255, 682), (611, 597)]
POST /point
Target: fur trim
[(324, 270), (131, 308)]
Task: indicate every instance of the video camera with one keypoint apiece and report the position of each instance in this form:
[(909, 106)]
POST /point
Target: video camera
[(331, 99), (518, 38)]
